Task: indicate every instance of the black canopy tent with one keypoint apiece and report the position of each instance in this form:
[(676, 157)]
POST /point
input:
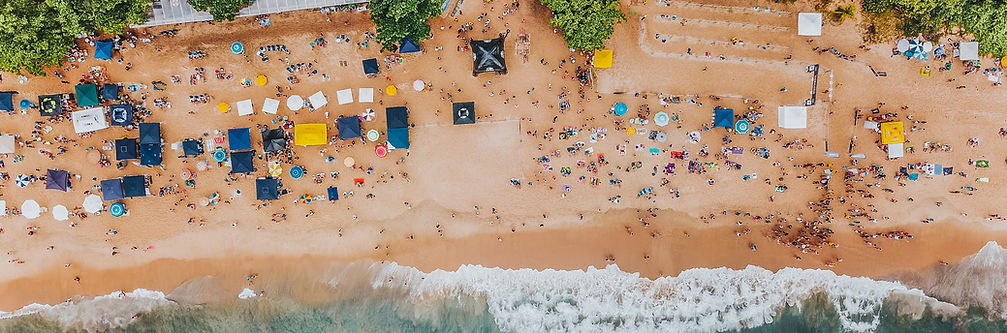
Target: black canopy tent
[(273, 140), (488, 56), (464, 113)]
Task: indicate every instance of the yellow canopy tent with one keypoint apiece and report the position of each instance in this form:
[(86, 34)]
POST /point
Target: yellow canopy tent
[(602, 58), (892, 132), (310, 134)]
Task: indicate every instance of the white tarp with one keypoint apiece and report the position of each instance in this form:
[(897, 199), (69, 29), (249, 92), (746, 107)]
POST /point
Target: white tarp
[(968, 51), (7, 144), (270, 105), (896, 150), (89, 120), (366, 95), (809, 24), (793, 116), (344, 96), (245, 107), (318, 100)]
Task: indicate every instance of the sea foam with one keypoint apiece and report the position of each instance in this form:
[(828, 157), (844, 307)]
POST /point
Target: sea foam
[(115, 310)]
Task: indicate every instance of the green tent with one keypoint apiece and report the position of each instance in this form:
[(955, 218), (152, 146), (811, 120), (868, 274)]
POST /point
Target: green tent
[(87, 95)]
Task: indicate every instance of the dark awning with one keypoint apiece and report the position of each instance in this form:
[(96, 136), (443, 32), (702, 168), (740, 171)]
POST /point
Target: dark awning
[(134, 186)]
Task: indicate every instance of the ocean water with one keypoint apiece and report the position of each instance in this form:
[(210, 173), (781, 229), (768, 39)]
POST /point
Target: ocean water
[(372, 297)]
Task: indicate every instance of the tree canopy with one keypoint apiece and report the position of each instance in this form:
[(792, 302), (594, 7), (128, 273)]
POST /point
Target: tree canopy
[(35, 35), (586, 24), (985, 19), (112, 16), (220, 9), (398, 19)]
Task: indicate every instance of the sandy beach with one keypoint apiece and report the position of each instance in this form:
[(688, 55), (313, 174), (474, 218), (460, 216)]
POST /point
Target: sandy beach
[(449, 199)]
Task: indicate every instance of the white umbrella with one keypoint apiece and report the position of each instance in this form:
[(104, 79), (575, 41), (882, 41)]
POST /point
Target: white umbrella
[(60, 213), (903, 45), (661, 119), (31, 209), (295, 102), (928, 46), (22, 180), (418, 85), (92, 204)]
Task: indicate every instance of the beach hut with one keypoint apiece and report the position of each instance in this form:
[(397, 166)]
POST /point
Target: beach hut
[(344, 96), (892, 132), (7, 101), (274, 139), (968, 51), (333, 193), (50, 105), (723, 118), (409, 46), (86, 94), (370, 66), (111, 189), (57, 180), (267, 189), (318, 100), (125, 149), (7, 144), (349, 127), (366, 95), (244, 107), (191, 147), (488, 56), (103, 49), (239, 139), (89, 120), (269, 106), (121, 114), (313, 134), (464, 113), (241, 162), (110, 91), (398, 138), (792, 117), (602, 58), (809, 24), (134, 186), (397, 117)]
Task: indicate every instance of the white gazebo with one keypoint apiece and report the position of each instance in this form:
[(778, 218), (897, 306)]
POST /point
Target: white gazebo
[(245, 107), (344, 96), (318, 100), (366, 95), (89, 120), (793, 117), (968, 51), (270, 105), (809, 24)]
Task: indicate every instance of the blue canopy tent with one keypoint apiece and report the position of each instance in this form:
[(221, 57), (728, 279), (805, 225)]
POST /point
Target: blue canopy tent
[(111, 189), (7, 101), (134, 186), (110, 91), (150, 133), (409, 46), (333, 194), (723, 118), (192, 147), (397, 117), (121, 114), (239, 139), (103, 49), (125, 149), (241, 161), (150, 154), (349, 127), (57, 179), (267, 189), (371, 66), (398, 137)]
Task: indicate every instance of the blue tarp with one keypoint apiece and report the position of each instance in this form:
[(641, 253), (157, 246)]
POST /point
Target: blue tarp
[(333, 194), (6, 101), (398, 137), (110, 91), (409, 46), (125, 149), (239, 139), (241, 162), (371, 66), (267, 189), (397, 117), (121, 114), (723, 118), (349, 127), (150, 154), (103, 49), (111, 189), (134, 186)]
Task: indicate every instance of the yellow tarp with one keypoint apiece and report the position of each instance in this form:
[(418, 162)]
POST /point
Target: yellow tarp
[(310, 134), (892, 132), (602, 59)]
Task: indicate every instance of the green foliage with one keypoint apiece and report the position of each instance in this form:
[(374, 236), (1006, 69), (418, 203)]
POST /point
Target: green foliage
[(842, 13), (398, 19), (985, 19), (34, 35), (586, 24), (112, 16), (881, 27), (220, 9)]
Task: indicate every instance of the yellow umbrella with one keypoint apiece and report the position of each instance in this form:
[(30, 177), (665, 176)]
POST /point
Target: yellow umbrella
[(223, 107), (1003, 61), (631, 131), (260, 80), (391, 90)]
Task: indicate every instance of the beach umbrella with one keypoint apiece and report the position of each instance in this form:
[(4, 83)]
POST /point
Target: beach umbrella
[(117, 209), (902, 45), (261, 80), (22, 180), (295, 102), (418, 85), (223, 107), (186, 174), (367, 115), (694, 136), (201, 165), (25, 104), (296, 172), (204, 201), (92, 204), (390, 90), (31, 209), (349, 162), (219, 155), (928, 46), (381, 151), (661, 137), (237, 47), (661, 119), (631, 131), (60, 213), (915, 46), (275, 170), (742, 126), (373, 135), (620, 108), (214, 198)]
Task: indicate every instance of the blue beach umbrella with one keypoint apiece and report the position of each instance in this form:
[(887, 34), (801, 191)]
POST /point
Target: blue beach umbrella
[(117, 209), (237, 47), (25, 104), (219, 155), (742, 126), (297, 172), (620, 108)]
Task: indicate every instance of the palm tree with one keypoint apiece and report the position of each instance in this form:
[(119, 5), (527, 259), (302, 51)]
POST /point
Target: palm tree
[(842, 12)]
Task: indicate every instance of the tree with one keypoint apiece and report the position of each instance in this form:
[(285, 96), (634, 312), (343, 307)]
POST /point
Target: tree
[(220, 9), (112, 16), (35, 35), (586, 24), (398, 19), (843, 12)]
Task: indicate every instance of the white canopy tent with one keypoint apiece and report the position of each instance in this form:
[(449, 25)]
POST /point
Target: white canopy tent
[(270, 106), (344, 96), (7, 144), (318, 100), (89, 120), (896, 150), (809, 24), (245, 107), (366, 95), (793, 117), (968, 51)]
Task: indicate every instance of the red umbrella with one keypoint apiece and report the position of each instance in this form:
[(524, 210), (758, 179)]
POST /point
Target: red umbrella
[(381, 151)]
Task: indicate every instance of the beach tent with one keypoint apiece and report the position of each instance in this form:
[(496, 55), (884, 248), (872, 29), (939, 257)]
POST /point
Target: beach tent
[(333, 193), (191, 147), (314, 134), (125, 149), (344, 96), (793, 116), (6, 101), (371, 66), (269, 106), (110, 91), (318, 100), (239, 139), (409, 46), (267, 189), (968, 51), (150, 133), (121, 114), (349, 127), (111, 189), (241, 162), (366, 95), (244, 107), (602, 59), (892, 132), (89, 120), (7, 144), (50, 105), (103, 49), (134, 186), (896, 150), (809, 24), (57, 179), (397, 117), (398, 138), (273, 139), (488, 56), (87, 94), (464, 113), (150, 154), (723, 118)]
